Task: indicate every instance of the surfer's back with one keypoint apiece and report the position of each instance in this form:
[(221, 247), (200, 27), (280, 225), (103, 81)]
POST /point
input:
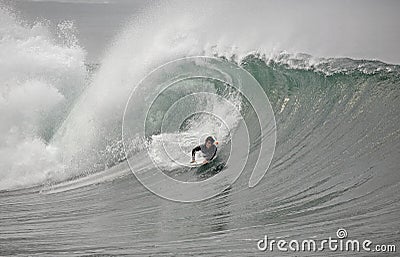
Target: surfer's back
[(210, 152)]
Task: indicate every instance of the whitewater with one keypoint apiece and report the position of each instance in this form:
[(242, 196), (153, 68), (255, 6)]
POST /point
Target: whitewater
[(77, 139)]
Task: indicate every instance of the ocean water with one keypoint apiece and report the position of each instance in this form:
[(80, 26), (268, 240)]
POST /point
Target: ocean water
[(76, 138)]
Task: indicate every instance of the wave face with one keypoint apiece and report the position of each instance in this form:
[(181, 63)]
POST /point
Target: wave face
[(335, 162)]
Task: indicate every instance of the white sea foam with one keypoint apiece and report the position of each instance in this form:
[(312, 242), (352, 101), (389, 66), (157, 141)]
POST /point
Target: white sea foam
[(38, 78)]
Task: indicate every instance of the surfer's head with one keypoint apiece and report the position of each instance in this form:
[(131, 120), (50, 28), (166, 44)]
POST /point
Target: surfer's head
[(209, 141)]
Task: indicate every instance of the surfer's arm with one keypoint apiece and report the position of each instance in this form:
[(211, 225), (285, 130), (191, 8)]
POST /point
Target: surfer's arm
[(196, 149)]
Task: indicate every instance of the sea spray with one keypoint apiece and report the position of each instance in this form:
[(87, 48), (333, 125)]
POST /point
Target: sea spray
[(39, 80)]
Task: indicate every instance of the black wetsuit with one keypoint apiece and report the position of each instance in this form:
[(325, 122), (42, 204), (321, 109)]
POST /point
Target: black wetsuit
[(209, 153)]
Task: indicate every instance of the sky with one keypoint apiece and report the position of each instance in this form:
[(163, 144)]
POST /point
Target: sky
[(360, 29)]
